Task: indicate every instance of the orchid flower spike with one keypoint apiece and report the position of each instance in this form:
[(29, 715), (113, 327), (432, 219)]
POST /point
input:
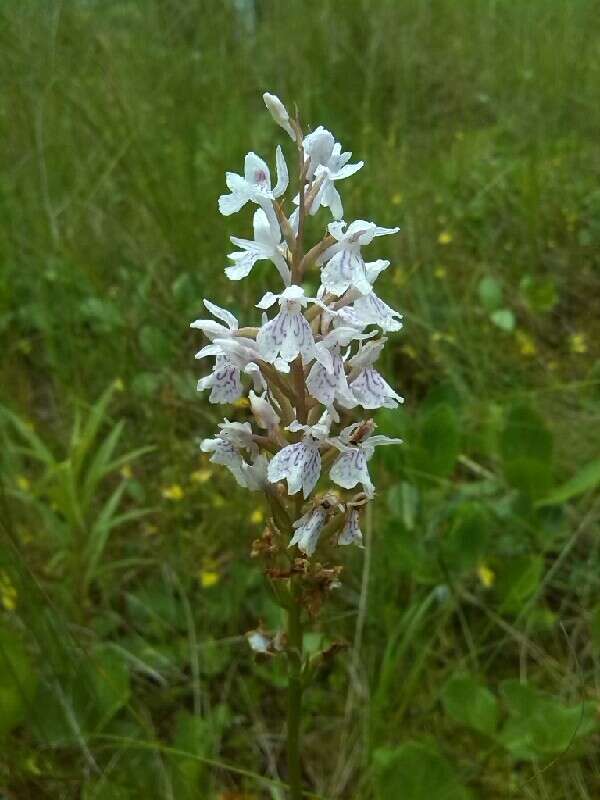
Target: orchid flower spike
[(301, 374)]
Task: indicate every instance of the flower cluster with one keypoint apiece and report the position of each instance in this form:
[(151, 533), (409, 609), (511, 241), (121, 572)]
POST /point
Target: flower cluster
[(311, 362)]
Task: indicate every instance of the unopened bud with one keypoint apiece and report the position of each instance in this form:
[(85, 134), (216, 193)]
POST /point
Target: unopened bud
[(279, 113)]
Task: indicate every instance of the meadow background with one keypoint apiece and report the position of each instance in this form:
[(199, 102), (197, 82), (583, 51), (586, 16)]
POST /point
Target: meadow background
[(473, 616)]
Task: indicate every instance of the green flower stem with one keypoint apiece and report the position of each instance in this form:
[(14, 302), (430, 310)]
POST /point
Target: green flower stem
[(294, 634)]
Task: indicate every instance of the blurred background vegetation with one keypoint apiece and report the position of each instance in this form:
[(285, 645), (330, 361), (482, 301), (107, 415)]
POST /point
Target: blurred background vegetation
[(473, 617)]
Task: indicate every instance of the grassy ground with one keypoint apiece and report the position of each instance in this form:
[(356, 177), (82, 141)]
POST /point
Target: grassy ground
[(473, 617)]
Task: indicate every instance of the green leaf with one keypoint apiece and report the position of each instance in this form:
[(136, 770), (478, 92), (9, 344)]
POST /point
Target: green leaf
[(540, 724), (525, 435), (586, 479), (111, 685), (38, 450), (98, 465), (403, 501), (540, 293), (503, 318), (434, 453), (146, 384), (517, 580), (102, 314), (18, 681), (490, 293), (83, 439), (528, 475), (416, 771), (466, 543), (470, 703), (155, 345)]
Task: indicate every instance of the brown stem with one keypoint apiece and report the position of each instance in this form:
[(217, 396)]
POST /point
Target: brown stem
[(298, 374), (314, 252), (284, 224), (249, 333)]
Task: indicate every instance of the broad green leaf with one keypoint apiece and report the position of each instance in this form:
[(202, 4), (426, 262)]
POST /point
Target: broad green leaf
[(416, 771), (111, 686), (540, 293), (146, 384), (517, 580), (467, 540), (540, 724), (503, 318), (586, 479), (17, 681), (104, 315), (525, 435), (434, 454), (469, 702), (529, 475), (526, 446), (155, 345), (490, 293), (407, 553)]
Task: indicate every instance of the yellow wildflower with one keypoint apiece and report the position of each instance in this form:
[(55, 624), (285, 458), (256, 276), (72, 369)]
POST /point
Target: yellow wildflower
[(126, 472), (208, 578), (486, 576), (173, 492), (577, 343), (445, 237), (23, 483), (8, 593), (396, 199), (257, 516), (200, 475), (527, 346)]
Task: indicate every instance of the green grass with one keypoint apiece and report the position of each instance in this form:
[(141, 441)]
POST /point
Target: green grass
[(123, 667)]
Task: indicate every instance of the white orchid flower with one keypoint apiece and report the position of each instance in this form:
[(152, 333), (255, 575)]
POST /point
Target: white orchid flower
[(345, 267), (298, 464), (350, 468), (367, 385), (288, 334), (233, 356), (308, 529), (329, 385), (328, 163), (351, 532), (226, 447), (267, 244), (213, 329), (255, 185), (263, 411)]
